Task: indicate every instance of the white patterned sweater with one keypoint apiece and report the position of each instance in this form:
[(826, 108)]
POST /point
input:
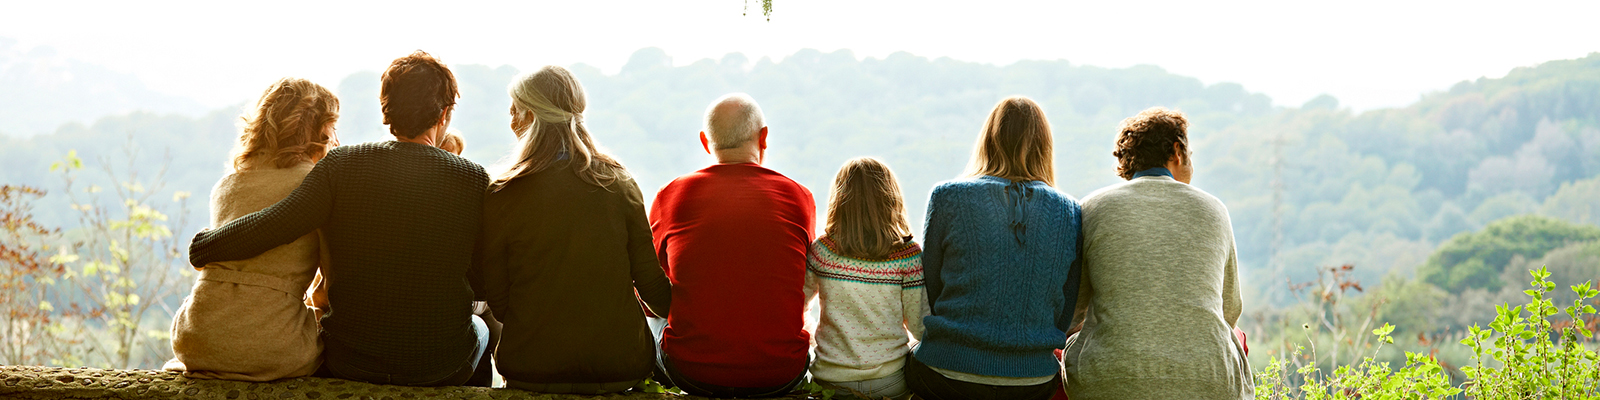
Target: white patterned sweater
[(868, 306)]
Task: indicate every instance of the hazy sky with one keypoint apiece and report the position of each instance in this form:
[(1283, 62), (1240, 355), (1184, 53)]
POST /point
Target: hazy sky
[(1369, 54)]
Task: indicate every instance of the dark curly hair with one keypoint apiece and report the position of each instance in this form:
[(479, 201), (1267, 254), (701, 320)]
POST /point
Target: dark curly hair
[(416, 90), (1145, 141)]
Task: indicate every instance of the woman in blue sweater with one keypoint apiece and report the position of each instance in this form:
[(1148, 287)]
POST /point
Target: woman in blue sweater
[(1001, 264)]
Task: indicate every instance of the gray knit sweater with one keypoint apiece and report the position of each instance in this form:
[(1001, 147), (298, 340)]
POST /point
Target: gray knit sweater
[(1159, 297)]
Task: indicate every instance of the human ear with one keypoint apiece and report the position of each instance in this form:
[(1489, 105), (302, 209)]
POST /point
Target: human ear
[(704, 142), (761, 138)]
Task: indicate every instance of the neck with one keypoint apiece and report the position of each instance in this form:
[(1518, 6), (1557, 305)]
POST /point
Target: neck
[(739, 156), (429, 137)]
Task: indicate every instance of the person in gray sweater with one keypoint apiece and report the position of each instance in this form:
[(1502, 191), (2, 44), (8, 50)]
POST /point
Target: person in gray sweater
[(1159, 296)]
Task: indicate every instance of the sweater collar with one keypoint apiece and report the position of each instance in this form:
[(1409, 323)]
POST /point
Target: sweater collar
[(1158, 171)]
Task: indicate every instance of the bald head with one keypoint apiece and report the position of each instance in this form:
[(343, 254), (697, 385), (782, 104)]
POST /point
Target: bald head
[(733, 121)]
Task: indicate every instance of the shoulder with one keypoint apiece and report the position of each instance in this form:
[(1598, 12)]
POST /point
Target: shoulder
[(782, 180), (227, 186), (624, 188), (353, 150), (672, 187), (960, 184), (824, 247), (466, 167), (908, 250), (1207, 200), (250, 180), (960, 187), (1149, 192), (469, 165), (1106, 194), (1057, 197)]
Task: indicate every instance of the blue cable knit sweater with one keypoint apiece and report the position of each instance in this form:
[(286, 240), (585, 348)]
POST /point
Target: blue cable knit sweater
[(1001, 265)]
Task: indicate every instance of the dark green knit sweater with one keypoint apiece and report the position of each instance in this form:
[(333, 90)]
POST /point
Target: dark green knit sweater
[(400, 221), (561, 259)]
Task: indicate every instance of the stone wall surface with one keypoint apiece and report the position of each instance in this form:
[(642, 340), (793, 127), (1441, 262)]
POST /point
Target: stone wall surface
[(24, 382)]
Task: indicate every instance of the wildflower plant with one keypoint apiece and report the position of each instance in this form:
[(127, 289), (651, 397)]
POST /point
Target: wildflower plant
[(1523, 354)]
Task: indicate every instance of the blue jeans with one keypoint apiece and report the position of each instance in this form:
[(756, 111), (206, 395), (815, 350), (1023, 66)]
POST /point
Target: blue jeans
[(892, 386), (332, 368), (668, 375)]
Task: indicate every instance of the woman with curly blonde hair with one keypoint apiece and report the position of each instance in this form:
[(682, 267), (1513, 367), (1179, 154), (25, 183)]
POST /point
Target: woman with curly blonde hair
[(245, 319)]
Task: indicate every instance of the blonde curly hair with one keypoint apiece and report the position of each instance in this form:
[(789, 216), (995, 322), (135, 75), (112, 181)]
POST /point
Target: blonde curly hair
[(288, 125)]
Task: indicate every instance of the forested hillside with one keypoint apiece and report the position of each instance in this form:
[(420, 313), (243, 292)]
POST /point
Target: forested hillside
[(1379, 189)]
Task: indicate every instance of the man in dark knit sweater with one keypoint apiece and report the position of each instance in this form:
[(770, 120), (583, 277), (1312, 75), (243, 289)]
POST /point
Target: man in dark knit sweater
[(733, 239), (400, 219)]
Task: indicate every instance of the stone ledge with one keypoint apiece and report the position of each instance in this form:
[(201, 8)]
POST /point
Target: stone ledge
[(22, 382)]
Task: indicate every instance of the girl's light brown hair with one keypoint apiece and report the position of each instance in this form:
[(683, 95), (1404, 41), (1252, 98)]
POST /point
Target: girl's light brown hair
[(866, 211), (288, 126), (549, 105), (1015, 144), (453, 142)]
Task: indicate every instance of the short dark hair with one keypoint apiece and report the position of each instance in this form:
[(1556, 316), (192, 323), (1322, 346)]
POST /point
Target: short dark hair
[(417, 88), (1145, 141)]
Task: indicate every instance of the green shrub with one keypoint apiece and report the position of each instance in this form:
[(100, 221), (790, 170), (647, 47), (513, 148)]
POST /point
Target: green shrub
[(1524, 354)]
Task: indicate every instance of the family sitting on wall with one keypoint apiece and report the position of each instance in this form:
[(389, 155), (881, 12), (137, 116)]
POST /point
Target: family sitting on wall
[(401, 263)]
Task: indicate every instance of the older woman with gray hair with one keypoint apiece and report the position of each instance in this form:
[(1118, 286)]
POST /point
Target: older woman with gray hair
[(565, 244)]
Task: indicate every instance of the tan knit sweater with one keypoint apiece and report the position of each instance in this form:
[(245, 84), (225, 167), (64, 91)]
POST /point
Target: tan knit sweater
[(245, 319), (1159, 298)]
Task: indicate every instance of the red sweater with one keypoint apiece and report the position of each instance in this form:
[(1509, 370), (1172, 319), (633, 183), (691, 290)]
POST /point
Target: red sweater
[(733, 239)]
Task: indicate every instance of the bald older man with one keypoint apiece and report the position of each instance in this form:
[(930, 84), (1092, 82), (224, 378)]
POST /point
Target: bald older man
[(732, 237)]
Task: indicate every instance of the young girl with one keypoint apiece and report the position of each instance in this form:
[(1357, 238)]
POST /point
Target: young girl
[(868, 273)]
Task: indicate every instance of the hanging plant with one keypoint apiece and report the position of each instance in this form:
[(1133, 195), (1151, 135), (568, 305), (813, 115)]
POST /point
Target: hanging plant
[(766, 8)]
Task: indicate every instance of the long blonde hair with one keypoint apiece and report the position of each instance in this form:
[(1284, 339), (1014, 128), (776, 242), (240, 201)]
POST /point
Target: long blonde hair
[(1015, 143), (866, 211), (288, 125), (555, 101)]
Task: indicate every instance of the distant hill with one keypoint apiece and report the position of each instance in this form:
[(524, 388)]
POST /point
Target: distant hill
[(40, 91)]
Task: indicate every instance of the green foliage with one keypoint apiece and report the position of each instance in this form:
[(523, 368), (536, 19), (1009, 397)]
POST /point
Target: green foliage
[(766, 8), (1475, 260), (815, 391), (1528, 352), (1535, 363), (651, 386), (1420, 377)]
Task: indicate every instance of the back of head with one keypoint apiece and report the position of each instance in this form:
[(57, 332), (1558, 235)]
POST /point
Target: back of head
[(1144, 141), (866, 212), (1015, 144), (733, 121), (417, 89), (549, 104), (288, 126), (453, 142)]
